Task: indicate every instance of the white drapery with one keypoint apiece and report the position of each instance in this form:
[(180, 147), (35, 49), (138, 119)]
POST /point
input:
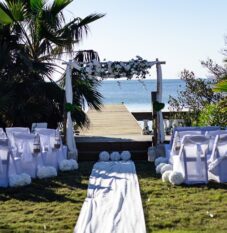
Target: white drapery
[(70, 140), (160, 123)]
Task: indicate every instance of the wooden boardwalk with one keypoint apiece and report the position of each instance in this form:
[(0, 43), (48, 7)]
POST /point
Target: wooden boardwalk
[(112, 129), (114, 119)]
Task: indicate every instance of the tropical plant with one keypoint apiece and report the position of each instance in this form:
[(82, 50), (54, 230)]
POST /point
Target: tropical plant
[(33, 36)]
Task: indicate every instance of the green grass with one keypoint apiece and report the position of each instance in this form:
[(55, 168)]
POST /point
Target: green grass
[(53, 205)]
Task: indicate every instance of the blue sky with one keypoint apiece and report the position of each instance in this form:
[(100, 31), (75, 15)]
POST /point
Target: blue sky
[(180, 32)]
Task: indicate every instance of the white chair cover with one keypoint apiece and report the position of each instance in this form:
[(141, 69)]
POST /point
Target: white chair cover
[(4, 164), (3, 135), (26, 161), (1, 131), (177, 141), (192, 159), (210, 128), (11, 130), (52, 156), (217, 163), (182, 128), (39, 125)]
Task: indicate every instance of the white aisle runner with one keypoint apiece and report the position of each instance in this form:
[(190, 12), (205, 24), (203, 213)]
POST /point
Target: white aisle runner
[(113, 203)]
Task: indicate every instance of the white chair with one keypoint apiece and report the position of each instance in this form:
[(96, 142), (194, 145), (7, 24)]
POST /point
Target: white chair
[(210, 128), (1, 131), (178, 137), (168, 147), (192, 159), (217, 163), (42, 125), (11, 130), (26, 161), (4, 164), (53, 150), (212, 135), (2, 134)]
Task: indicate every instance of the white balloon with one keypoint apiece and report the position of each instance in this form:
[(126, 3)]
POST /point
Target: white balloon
[(167, 167), (158, 168), (176, 178), (165, 176), (104, 156), (160, 160), (115, 156), (125, 155)]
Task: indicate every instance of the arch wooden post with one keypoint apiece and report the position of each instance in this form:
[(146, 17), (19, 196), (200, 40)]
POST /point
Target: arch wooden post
[(154, 118), (158, 127)]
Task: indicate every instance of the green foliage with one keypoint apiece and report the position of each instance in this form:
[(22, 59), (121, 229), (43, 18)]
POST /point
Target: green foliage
[(197, 94), (221, 86), (214, 114), (33, 36)]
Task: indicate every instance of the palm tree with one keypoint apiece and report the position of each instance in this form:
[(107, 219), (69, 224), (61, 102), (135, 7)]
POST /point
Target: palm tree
[(33, 36)]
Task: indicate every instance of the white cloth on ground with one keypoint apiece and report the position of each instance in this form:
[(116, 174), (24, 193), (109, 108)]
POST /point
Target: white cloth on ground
[(113, 203)]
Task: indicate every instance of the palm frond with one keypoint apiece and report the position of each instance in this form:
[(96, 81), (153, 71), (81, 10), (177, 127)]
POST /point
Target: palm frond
[(59, 5)]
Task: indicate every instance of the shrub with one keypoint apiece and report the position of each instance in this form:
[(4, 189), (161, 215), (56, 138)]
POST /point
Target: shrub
[(214, 114)]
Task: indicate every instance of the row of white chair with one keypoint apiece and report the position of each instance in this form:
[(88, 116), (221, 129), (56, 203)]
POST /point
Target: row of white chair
[(29, 153), (200, 156)]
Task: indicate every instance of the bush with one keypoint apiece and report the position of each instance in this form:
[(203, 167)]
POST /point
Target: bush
[(214, 114)]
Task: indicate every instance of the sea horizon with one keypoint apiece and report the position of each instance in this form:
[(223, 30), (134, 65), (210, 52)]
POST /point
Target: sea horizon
[(136, 94)]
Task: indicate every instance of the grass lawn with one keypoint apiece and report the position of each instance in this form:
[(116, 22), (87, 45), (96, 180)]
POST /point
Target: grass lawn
[(53, 205)]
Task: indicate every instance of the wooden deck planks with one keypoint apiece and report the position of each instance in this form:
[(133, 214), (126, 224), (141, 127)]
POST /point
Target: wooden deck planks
[(113, 119)]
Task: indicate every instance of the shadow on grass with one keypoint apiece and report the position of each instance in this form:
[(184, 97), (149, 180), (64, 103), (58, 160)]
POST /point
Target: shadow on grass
[(48, 190)]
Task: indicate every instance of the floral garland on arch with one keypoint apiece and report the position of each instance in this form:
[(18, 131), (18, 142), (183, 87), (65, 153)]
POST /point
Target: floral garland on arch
[(138, 68)]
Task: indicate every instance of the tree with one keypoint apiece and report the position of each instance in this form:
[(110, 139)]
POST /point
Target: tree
[(198, 93), (33, 36)]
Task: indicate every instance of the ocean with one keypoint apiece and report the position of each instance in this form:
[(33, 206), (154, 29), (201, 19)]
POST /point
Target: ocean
[(136, 94)]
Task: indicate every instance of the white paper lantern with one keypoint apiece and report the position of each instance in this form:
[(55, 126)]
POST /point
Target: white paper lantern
[(115, 156), (104, 156), (167, 167), (176, 178), (158, 168), (165, 176), (125, 155)]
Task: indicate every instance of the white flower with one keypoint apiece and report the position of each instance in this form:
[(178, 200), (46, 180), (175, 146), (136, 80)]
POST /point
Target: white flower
[(165, 176), (46, 171), (167, 167), (68, 165), (125, 155), (95, 62), (104, 156), (88, 70), (19, 180), (127, 67), (176, 178), (115, 156), (160, 160), (158, 168)]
